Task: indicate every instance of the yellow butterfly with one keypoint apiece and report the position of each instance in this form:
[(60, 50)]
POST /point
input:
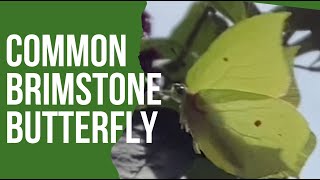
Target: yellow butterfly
[(241, 100)]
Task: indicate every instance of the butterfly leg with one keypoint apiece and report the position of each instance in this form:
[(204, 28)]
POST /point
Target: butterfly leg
[(184, 125), (196, 148)]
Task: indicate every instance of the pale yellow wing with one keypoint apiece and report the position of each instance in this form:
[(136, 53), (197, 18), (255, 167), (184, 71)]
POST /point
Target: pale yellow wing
[(247, 57), (249, 135)]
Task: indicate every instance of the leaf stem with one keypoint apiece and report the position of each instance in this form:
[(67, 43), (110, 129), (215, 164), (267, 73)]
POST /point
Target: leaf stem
[(309, 68)]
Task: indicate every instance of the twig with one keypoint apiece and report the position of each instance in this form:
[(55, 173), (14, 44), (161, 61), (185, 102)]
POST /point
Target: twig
[(309, 68)]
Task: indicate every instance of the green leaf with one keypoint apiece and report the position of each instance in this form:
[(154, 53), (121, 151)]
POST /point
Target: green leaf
[(234, 10), (195, 33), (191, 22)]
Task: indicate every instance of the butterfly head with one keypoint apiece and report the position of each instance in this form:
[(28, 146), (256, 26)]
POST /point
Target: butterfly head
[(178, 92)]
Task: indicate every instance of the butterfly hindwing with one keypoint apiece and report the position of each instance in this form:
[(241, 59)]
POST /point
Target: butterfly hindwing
[(249, 135)]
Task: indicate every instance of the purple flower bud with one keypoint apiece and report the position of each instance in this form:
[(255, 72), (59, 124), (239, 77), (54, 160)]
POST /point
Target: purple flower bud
[(146, 59), (146, 23)]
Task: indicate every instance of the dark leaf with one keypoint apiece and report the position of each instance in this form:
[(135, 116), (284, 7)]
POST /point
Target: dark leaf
[(305, 19), (252, 9), (203, 169), (195, 33), (234, 10)]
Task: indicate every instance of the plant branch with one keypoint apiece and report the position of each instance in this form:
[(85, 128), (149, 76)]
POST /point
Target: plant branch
[(309, 68)]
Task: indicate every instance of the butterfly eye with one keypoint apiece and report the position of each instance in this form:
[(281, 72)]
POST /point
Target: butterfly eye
[(179, 89), (178, 92)]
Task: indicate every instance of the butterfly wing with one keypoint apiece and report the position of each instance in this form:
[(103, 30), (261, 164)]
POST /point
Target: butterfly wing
[(249, 135), (292, 95), (247, 57)]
